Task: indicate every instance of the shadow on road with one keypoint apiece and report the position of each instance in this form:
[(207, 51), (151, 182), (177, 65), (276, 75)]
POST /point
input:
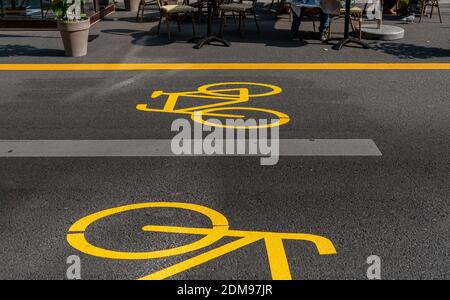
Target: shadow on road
[(269, 36), (23, 50), (411, 51)]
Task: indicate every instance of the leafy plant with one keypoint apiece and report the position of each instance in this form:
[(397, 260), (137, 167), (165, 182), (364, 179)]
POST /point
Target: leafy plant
[(67, 10)]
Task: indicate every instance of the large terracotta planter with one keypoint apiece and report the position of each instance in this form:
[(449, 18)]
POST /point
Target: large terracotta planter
[(132, 5), (75, 36)]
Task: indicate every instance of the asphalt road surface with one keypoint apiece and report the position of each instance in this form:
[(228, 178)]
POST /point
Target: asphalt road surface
[(395, 206)]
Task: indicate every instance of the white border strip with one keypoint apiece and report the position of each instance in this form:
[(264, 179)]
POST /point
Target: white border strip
[(153, 147)]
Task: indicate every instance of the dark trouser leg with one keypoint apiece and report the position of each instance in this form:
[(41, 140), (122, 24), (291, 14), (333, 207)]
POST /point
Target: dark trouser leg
[(413, 6), (324, 21), (296, 22)]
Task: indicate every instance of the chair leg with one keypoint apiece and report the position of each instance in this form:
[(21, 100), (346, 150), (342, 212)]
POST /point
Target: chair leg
[(239, 22), (243, 23), (178, 22), (439, 11), (222, 22), (159, 23), (138, 12), (351, 24), (256, 21), (432, 9), (42, 8), (360, 28), (329, 29), (423, 11), (271, 4), (168, 26), (200, 9), (193, 24)]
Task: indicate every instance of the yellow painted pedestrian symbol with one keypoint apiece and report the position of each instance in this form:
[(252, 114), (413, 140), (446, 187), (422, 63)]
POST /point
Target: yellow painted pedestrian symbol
[(229, 94), (219, 229)]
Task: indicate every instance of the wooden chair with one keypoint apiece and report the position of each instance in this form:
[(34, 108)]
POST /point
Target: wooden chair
[(177, 9), (356, 13), (45, 8), (432, 4), (202, 7), (152, 4), (242, 9), (313, 13)]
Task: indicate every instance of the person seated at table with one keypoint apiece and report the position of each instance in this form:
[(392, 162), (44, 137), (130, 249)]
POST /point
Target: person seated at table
[(324, 24), (413, 9), (390, 7), (414, 6)]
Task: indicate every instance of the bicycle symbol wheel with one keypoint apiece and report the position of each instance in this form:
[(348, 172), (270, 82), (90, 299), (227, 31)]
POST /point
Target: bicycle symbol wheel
[(277, 119), (219, 89), (219, 229), (77, 239)]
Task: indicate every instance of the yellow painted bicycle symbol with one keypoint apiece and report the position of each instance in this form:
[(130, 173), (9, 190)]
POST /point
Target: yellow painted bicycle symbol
[(219, 229), (231, 93)]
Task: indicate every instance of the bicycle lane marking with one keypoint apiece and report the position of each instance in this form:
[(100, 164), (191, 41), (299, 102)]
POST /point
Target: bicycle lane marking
[(226, 92), (273, 241), (222, 91)]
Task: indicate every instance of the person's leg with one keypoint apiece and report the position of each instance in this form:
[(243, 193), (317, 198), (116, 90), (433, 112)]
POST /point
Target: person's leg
[(389, 6), (414, 6), (324, 21), (324, 26), (296, 22)]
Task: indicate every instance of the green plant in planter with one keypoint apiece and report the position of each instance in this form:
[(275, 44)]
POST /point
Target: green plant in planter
[(68, 10)]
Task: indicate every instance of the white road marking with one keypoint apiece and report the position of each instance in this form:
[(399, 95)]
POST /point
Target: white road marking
[(153, 147)]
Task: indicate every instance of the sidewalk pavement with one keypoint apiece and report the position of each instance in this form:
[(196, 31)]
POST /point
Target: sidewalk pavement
[(119, 38)]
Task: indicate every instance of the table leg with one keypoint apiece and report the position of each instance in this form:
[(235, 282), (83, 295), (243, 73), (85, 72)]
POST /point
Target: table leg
[(347, 39), (2, 8), (42, 8), (209, 38)]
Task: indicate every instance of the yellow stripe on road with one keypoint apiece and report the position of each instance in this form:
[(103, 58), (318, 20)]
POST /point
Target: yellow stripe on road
[(225, 66)]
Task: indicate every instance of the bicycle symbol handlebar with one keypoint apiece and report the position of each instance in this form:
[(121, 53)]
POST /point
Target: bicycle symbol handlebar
[(230, 93), (219, 229)]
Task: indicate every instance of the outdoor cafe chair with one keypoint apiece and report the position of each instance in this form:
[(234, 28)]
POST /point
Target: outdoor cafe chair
[(152, 4), (175, 8), (432, 4), (242, 9), (202, 6), (356, 13)]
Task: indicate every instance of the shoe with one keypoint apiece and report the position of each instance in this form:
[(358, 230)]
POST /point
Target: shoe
[(325, 34), (409, 19)]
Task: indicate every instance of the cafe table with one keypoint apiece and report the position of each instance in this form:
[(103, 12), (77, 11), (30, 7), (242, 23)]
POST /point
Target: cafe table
[(330, 7), (210, 39)]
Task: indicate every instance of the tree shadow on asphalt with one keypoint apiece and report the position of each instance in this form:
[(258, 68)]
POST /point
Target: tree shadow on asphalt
[(27, 35), (146, 38), (411, 51), (23, 50), (270, 35)]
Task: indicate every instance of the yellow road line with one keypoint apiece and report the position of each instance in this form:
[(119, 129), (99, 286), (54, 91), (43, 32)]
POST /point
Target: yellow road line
[(225, 66)]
